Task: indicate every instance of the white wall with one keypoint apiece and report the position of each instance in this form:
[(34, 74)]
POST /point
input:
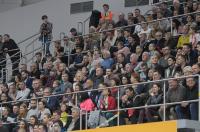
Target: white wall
[(6, 5), (25, 21), (28, 2)]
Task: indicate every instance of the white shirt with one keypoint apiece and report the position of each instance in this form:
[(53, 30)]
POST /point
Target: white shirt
[(23, 94)]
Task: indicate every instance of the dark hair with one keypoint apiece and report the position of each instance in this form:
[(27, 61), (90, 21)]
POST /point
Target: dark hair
[(57, 112), (122, 55), (177, 23), (44, 17), (144, 64), (137, 9), (44, 127), (44, 103), (84, 96), (106, 5), (159, 85), (35, 117), (191, 16), (19, 76), (26, 125), (172, 57), (80, 86), (130, 88), (7, 35), (128, 79), (73, 30), (38, 53), (188, 45)]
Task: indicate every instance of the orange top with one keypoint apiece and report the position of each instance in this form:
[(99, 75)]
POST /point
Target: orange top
[(107, 16)]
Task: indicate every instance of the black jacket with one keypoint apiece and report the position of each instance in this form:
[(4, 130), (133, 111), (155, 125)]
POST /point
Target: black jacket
[(94, 18), (77, 124), (192, 94), (12, 47)]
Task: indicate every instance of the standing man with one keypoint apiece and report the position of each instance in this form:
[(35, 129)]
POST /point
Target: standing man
[(46, 33), (10, 47), (106, 14)]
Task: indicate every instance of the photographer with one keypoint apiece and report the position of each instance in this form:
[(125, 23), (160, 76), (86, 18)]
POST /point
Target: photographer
[(46, 33)]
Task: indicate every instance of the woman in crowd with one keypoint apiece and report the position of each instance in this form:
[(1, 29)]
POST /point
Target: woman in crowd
[(108, 103), (22, 127)]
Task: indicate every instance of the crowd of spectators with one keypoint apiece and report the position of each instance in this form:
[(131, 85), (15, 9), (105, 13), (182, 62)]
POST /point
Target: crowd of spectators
[(110, 56)]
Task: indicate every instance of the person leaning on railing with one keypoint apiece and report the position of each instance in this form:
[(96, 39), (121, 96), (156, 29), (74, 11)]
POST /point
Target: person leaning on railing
[(129, 99), (108, 102), (12, 49), (74, 122), (191, 93), (175, 93), (155, 97)]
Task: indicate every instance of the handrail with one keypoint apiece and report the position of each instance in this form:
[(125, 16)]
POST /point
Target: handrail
[(31, 42), (84, 24), (119, 28), (10, 57), (137, 24), (80, 23), (139, 107), (165, 1), (143, 22), (140, 3), (119, 86), (27, 38), (22, 56), (17, 61)]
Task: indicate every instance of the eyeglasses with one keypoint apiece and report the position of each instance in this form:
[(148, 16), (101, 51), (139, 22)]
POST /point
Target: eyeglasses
[(158, 35)]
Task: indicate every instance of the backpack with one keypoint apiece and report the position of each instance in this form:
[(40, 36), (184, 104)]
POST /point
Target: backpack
[(95, 119)]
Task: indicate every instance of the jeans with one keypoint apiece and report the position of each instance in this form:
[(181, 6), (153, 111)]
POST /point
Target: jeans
[(192, 108), (179, 111), (108, 115), (46, 44)]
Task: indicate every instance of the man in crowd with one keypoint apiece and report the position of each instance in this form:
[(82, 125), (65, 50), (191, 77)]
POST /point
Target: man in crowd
[(11, 48), (46, 33)]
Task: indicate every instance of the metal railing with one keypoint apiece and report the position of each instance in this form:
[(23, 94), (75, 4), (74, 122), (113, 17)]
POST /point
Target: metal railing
[(118, 109), (32, 45), (166, 1), (28, 38), (123, 27), (100, 33)]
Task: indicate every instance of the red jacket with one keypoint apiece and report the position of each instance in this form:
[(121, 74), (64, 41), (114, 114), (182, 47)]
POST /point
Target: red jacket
[(111, 104)]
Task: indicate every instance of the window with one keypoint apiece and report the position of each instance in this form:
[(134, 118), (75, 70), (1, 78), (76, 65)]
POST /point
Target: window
[(130, 3), (81, 7)]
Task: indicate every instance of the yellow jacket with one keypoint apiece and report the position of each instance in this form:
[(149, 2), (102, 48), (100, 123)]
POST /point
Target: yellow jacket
[(182, 40), (63, 118)]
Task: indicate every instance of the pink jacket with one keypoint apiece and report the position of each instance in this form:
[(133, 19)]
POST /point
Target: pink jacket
[(87, 105)]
